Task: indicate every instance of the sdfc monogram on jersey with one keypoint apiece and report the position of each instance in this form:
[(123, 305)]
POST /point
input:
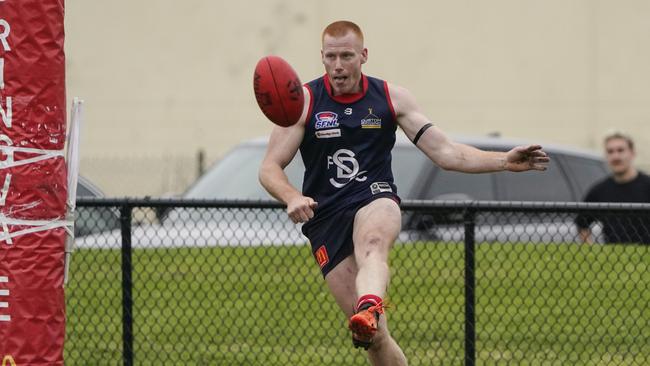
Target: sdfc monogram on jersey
[(371, 120), (347, 168)]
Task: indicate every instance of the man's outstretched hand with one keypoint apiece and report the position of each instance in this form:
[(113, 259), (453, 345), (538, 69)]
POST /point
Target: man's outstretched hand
[(301, 209), (523, 158)]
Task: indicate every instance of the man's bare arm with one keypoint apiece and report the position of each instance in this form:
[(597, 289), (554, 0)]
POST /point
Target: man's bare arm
[(451, 155), (283, 145), (585, 235)]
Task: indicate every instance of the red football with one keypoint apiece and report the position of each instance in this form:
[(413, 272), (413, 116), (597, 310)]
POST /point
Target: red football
[(278, 91)]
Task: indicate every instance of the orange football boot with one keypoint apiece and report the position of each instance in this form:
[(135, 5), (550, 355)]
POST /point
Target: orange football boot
[(363, 325)]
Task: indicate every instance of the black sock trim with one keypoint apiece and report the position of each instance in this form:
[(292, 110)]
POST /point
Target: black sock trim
[(364, 306)]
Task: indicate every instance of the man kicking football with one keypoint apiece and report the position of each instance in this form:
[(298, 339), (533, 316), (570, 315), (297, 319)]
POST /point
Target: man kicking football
[(349, 203)]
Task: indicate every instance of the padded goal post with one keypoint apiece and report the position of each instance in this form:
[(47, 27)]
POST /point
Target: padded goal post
[(33, 184)]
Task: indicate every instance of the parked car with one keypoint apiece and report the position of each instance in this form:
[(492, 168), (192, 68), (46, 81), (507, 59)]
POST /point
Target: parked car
[(90, 220), (569, 176), (236, 177)]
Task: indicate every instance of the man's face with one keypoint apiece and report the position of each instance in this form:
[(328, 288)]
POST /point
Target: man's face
[(619, 155), (343, 57)]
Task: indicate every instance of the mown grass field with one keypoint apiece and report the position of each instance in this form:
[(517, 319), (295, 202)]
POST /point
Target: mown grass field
[(536, 304)]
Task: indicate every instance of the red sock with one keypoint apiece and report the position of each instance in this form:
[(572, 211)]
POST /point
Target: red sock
[(367, 301)]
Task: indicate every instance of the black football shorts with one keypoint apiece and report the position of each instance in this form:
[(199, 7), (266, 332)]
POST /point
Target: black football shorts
[(331, 236)]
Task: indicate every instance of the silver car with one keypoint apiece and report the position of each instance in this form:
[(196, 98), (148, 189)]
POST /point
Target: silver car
[(235, 176), (90, 220)]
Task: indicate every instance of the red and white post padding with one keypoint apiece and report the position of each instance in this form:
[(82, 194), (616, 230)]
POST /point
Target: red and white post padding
[(32, 182)]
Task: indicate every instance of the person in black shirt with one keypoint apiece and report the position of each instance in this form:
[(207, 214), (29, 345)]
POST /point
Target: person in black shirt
[(626, 184)]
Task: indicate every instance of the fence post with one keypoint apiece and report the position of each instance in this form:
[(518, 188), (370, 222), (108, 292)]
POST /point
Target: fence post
[(126, 212), (470, 282)]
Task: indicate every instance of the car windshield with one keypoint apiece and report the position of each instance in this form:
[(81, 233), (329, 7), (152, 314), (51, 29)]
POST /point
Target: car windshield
[(586, 172), (451, 185), (408, 164), (235, 176), (83, 191)]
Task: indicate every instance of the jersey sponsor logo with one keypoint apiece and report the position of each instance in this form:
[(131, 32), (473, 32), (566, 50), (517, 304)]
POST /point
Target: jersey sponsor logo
[(371, 120), (327, 134), (347, 168), (380, 187), (321, 256), (326, 120)]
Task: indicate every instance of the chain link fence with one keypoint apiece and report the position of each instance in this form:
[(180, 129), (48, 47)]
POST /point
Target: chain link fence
[(156, 282)]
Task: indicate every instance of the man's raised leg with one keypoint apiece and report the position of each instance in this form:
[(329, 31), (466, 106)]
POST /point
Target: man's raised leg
[(341, 282), (376, 227)]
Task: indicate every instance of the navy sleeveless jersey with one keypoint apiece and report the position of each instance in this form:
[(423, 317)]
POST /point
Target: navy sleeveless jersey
[(347, 145)]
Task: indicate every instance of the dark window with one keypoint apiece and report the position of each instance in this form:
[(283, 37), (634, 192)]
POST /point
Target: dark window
[(90, 220), (550, 185), (236, 176), (449, 185), (408, 165), (585, 172), (82, 191)]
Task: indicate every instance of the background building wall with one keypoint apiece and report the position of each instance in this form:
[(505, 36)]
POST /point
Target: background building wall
[(165, 79)]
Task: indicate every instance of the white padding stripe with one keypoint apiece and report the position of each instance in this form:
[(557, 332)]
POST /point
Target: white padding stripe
[(43, 155), (36, 226)]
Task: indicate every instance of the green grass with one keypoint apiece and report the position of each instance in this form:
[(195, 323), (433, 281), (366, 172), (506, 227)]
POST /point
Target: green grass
[(536, 304)]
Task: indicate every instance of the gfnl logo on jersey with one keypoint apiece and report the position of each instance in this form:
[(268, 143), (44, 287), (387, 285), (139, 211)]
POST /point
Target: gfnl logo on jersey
[(347, 168), (326, 120)]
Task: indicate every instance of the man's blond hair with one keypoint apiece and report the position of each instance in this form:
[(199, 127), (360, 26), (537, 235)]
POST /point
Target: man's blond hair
[(341, 28)]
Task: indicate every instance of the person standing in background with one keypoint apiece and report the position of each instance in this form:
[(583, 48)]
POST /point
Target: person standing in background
[(625, 184)]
